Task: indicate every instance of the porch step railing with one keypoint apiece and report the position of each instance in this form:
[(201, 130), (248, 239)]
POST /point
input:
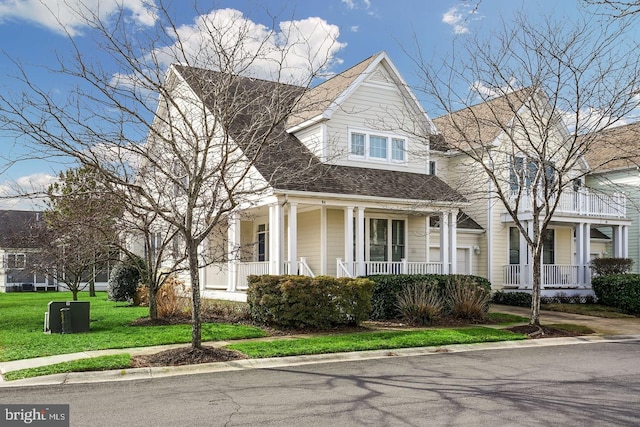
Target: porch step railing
[(345, 269), (552, 276)]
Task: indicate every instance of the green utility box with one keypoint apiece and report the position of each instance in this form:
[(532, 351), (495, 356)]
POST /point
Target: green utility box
[(67, 317)]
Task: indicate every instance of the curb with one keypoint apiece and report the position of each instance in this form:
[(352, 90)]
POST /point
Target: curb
[(132, 374)]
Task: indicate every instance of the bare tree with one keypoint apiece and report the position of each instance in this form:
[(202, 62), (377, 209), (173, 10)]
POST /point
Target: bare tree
[(616, 8), (521, 107), (181, 141)]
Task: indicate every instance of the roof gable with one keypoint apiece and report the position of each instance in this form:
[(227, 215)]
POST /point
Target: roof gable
[(615, 148), (19, 228)]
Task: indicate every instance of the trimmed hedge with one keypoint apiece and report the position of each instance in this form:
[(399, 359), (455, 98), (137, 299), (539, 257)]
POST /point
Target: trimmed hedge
[(618, 290), (387, 288), (518, 299), (306, 302), (605, 266)]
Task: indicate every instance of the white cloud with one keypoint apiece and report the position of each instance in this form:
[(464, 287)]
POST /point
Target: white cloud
[(458, 17), (354, 29), (292, 51), (69, 15), (488, 92), (352, 4), (26, 193)]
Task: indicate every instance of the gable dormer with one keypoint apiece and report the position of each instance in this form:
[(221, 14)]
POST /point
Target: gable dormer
[(366, 117)]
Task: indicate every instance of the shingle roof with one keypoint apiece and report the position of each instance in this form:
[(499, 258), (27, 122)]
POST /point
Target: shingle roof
[(614, 148), (480, 124), (316, 101), (287, 164), (463, 221), (17, 228)]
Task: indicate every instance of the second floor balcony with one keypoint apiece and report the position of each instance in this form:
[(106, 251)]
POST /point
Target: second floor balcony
[(580, 203)]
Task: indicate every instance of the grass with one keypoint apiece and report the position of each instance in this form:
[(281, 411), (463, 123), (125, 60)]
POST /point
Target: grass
[(22, 337), (102, 363), (506, 319), (588, 310), (372, 341)]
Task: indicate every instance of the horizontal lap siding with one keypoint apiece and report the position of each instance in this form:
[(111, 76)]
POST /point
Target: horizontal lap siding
[(309, 238), (417, 241), (335, 239)]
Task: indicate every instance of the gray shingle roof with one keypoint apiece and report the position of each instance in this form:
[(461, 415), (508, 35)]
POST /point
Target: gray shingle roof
[(614, 148), (287, 164), (18, 228)]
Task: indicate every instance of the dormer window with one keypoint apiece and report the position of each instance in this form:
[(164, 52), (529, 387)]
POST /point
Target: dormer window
[(377, 147)]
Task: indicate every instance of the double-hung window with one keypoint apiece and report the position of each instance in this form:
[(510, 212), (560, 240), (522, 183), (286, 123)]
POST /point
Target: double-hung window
[(377, 147)]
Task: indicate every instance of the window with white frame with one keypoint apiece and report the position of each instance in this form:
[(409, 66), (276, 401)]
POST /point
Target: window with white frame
[(15, 261), (377, 147), (432, 167)]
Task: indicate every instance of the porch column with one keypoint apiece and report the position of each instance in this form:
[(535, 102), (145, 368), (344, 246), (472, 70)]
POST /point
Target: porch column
[(625, 241), (275, 239), (360, 241), (348, 238), (524, 260), (233, 246), (444, 242), (586, 254), (453, 242), (617, 241), (580, 259), (293, 238)]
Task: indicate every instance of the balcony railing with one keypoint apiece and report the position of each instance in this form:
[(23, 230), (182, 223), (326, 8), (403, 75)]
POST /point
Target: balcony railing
[(581, 203)]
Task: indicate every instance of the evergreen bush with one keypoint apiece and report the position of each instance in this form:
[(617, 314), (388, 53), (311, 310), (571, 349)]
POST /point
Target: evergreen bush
[(125, 278)]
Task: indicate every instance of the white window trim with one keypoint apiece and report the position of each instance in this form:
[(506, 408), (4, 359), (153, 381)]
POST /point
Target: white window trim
[(389, 137), (15, 255)]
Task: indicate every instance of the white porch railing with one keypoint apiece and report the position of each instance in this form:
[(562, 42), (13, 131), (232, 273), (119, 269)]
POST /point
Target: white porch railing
[(246, 269), (582, 203), (345, 269), (553, 276)]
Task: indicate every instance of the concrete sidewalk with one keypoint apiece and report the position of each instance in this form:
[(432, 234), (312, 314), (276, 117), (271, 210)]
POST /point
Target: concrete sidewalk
[(606, 330)]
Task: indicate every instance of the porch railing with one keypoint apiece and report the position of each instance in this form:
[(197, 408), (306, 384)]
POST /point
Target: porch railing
[(345, 269), (582, 203), (246, 269), (552, 276)]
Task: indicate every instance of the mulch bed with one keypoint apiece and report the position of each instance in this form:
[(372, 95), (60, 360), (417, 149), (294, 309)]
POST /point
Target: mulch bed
[(186, 356)]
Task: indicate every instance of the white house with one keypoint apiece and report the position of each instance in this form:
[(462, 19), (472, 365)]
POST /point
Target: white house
[(389, 194)]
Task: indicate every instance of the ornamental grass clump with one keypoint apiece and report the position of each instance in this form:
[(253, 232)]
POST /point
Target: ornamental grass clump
[(420, 303), (467, 300)]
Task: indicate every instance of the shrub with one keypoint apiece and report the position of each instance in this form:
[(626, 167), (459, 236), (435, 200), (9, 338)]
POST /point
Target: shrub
[(141, 297), (420, 303), (125, 278), (230, 311), (387, 288), (518, 299), (169, 300), (618, 290), (467, 300), (562, 298), (305, 302), (605, 266)]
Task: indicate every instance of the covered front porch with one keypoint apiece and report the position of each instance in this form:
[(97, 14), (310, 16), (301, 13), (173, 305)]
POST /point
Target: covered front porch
[(569, 244), (333, 237)]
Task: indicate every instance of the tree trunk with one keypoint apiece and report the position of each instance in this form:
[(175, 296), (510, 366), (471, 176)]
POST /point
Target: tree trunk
[(196, 327), (92, 288), (153, 305), (535, 290)]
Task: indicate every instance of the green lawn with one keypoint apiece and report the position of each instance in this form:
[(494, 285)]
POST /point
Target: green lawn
[(372, 341), (22, 337)]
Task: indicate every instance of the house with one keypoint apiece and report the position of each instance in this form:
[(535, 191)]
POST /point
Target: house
[(16, 249), (19, 249), (389, 192), (496, 135), (615, 161)]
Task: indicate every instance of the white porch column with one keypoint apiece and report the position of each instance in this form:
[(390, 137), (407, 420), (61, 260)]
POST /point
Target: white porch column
[(524, 260), (233, 246), (275, 238), (444, 242), (617, 241), (580, 259), (293, 238), (348, 238), (453, 242), (360, 257), (625, 241), (586, 254)]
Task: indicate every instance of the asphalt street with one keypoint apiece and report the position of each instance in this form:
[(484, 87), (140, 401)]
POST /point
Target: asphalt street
[(574, 385)]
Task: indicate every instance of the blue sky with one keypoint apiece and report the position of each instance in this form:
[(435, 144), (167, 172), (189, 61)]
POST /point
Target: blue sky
[(363, 27)]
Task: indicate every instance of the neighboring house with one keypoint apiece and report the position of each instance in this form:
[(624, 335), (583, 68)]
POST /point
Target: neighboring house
[(622, 174), (501, 129), (383, 201), (17, 247), (18, 253)]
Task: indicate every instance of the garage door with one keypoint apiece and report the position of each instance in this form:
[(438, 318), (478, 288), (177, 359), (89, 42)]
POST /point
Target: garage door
[(463, 261)]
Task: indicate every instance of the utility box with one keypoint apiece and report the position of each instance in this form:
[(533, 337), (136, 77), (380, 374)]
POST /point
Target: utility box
[(76, 317)]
